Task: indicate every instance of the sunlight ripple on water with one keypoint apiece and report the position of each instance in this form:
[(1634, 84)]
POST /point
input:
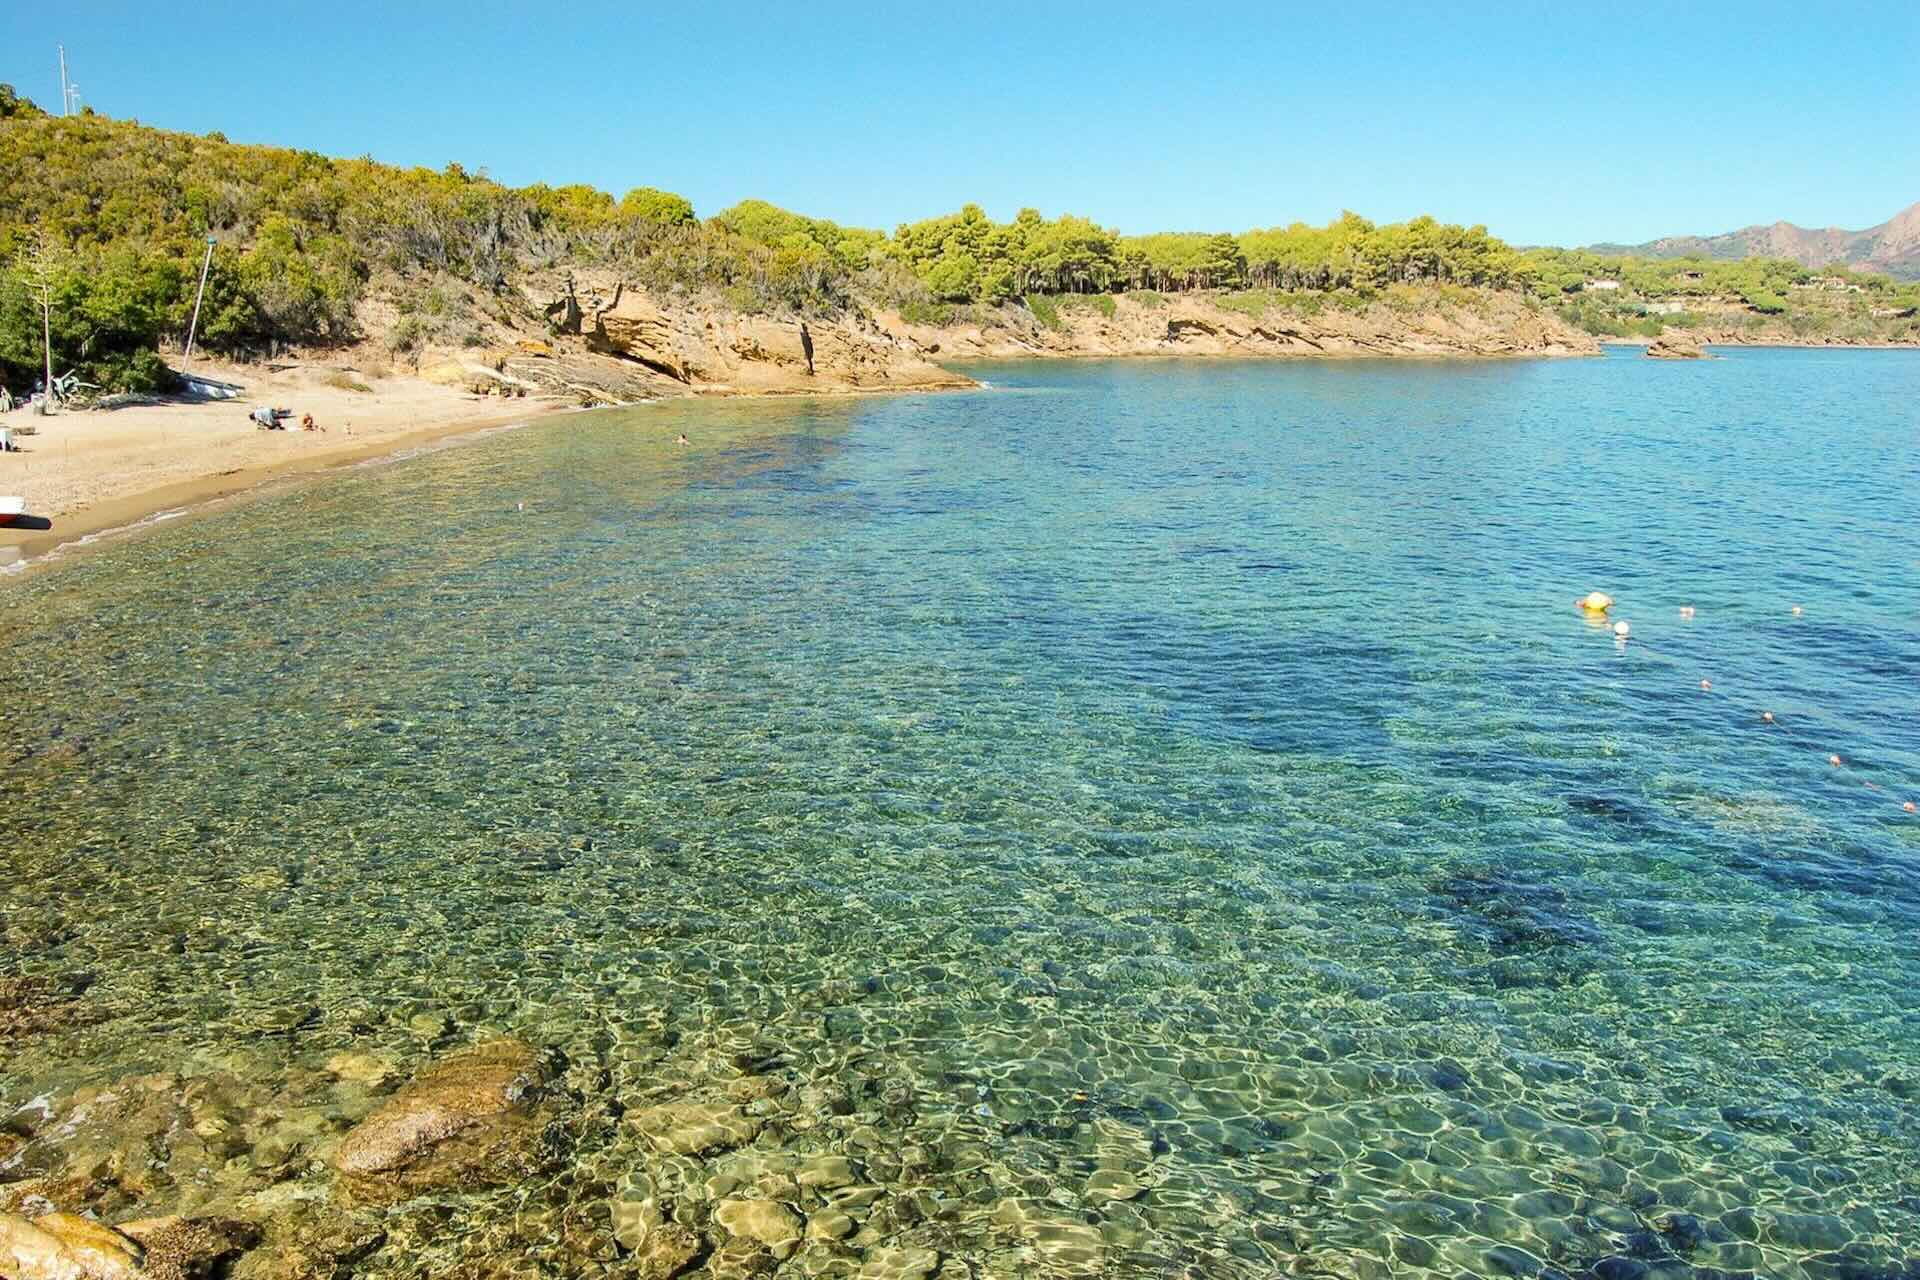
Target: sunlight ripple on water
[(1155, 819)]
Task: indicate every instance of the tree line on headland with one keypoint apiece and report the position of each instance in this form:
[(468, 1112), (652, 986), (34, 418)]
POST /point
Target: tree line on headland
[(107, 221)]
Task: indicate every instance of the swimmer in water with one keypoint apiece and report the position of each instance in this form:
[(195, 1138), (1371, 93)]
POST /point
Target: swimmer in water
[(681, 438)]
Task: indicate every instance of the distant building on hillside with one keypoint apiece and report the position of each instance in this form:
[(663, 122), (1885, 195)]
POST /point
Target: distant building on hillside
[(1693, 275), (1601, 284), (1893, 313), (1663, 308)]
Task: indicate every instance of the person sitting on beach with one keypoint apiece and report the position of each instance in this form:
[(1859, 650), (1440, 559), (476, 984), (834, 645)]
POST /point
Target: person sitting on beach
[(308, 424)]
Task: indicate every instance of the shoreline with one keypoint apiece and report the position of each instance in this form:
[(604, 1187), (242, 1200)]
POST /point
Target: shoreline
[(128, 514), (25, 550), (1783, 345), (1266, 357)]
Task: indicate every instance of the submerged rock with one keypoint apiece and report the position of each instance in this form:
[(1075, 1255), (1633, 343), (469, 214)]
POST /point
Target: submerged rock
[(829, 1224), (1065, 1246), (360, 1068), (65, 1246), (668, 1250), (109, 1149), (1113, 1184), (900, 1264), (479, 1117), (35, 1006), (190, 1248), (826, 1173), (696, 1128), (768, 1221), (315, 1241)]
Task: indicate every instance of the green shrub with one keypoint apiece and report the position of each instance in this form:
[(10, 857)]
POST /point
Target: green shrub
[(920, 311), (1252, 302), (657, 206), (1046, 310), (1098, 302)]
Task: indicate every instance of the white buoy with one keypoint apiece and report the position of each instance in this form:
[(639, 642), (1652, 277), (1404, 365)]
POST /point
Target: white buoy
[(1796, 611), (1621, 629), (1686, 611)]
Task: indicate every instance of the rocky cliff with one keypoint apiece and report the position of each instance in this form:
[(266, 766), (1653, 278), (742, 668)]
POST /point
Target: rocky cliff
[(1483, 324), (605, 341)]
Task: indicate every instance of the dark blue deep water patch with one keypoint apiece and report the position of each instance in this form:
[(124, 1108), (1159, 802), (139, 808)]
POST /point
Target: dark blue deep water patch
[(1155, 819)]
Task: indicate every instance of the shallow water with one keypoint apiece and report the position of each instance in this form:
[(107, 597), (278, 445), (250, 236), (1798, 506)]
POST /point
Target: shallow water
[(1194, 772)]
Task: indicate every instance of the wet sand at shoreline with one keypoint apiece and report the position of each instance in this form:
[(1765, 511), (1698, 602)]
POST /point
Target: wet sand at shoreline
[(82, 473)]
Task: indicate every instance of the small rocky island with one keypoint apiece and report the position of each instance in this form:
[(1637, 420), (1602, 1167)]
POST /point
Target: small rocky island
[(1675, 349)]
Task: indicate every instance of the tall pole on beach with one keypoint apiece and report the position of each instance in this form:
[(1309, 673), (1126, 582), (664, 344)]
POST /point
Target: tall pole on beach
[(66, 94), (194, 327)]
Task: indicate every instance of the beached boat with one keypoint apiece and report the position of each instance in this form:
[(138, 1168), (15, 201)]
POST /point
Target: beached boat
[(12, 509)]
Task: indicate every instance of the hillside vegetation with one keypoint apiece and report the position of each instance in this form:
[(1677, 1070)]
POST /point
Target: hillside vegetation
[(1749, 299), (108, 222)]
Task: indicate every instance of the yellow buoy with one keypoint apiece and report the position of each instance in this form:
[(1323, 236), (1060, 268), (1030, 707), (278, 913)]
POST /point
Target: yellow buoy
[(1595, 602)]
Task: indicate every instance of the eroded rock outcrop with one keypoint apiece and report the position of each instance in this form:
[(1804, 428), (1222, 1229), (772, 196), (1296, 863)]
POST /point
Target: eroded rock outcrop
[(1470, 323), (480, 1117), (633, 327), (702, 346), (1675, 349)]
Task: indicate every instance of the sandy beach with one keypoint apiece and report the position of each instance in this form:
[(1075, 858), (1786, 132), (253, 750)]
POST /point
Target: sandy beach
[(83, 472)]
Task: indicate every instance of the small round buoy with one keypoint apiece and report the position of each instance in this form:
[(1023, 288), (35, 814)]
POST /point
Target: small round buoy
[(1910, 807), (1834, 760), (1796, 611), (1595, 602), (1621, 629), (1686, 611), (1707, 685), (1767, 716), (519, 506)]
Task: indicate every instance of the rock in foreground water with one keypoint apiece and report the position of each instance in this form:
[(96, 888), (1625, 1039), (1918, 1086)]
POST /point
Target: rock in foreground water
[(476, 1118), (65, 1246)]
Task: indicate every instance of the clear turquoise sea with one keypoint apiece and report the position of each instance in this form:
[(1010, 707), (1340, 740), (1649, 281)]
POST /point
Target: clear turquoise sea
[(1174, 806)]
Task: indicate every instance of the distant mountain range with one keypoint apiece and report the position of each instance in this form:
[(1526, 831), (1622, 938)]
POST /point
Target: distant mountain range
[(1892, 248)]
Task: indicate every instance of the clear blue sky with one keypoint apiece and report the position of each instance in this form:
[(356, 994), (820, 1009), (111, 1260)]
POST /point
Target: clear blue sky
[(1550, 122)]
